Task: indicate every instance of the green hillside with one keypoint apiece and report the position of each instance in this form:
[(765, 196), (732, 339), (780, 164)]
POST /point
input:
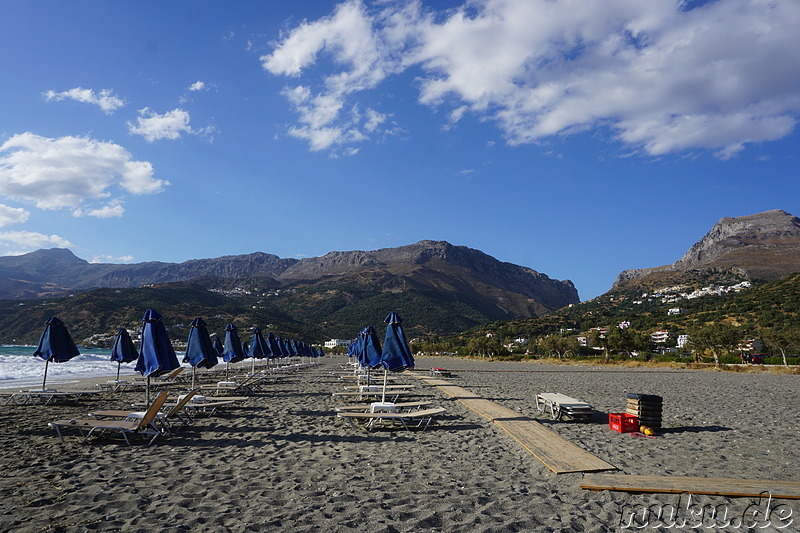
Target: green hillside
[(766, 311), (311, 312)]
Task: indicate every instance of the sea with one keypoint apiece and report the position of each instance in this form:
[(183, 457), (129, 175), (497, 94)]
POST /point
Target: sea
[(20, 369)]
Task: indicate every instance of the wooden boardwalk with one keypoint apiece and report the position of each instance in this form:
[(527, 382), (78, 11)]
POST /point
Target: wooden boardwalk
[(557, 453), (693, 485)]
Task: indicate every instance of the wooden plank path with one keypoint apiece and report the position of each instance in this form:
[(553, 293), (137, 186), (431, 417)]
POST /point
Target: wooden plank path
[(558, 454), (692, 485)]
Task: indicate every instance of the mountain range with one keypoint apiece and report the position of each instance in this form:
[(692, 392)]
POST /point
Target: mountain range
[(443, 288), (440, 288)]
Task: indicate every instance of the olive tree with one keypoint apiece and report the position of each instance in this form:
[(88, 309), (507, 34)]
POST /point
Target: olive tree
[(718, 338)]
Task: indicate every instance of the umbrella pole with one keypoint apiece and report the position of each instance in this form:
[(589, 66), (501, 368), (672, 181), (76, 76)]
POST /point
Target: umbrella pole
[(227, 369), (46, 364), (119, 364), (194, 373), (253, 366), (147, 392), (383, 396)]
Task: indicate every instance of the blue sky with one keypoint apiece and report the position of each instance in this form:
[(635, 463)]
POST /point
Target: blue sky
[(575, 138)]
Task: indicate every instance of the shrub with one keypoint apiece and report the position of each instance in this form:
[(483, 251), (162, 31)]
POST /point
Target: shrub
[(667, 358)]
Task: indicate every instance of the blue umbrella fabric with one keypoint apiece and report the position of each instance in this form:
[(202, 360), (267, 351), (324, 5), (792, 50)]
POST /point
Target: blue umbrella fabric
[(258, 347), (156, 356), (55, 344), (370, 348), (232, 350), (220, 349), (274, 346), (396, 354), (123, 350), (200, 350), (353, 349)]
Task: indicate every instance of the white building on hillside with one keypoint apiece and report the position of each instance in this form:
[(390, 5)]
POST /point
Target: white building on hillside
[(659, 337), (337, 343)]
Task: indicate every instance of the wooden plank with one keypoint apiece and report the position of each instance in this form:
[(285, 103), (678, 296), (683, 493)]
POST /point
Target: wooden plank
[(693, 485), (557, 453)]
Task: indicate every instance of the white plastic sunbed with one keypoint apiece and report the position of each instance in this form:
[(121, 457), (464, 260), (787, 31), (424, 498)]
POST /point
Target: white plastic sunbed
[(558, 405)]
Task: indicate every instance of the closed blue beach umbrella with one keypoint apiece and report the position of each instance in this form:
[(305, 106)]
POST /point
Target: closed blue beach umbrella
[(396, 355), (156, 356), (259, 348), (370, 348), (232, 348), (285, 349), (123, 350), (353, 349), (274, 346), (217, 345), (55, 344), (232, 351), (200, 350)]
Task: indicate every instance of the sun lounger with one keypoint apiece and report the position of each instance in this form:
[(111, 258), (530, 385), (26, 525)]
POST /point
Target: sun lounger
[(144, 426), (440, 372), (171, 377), (249, 385), (421, 418), (45, 396), (392, 395), (367, 407), (209, 405), (118, 385), (379, 387), (558, 405), (172, 413)]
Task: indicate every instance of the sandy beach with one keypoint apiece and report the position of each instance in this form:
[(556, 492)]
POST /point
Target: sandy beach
[(283, 461)]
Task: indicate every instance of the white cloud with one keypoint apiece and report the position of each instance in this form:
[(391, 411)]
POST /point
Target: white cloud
[(69, 172), (114, 209), (103, 258), (153, 126), (197, 86), (660, 75), (105, 99), (29, 240), (170, 125), (349, 37), (12, 215)]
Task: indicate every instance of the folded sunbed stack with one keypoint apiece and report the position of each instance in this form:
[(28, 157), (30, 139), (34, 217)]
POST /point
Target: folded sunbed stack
[(646, 407)]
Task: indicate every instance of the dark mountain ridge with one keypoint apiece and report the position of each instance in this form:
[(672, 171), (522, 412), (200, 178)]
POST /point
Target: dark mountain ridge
[(442, 287)]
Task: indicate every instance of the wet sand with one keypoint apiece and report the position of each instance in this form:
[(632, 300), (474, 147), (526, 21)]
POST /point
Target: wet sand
[(282, 460)]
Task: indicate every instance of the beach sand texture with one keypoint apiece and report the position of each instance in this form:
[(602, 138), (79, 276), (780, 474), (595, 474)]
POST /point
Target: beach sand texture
[(283, 461)]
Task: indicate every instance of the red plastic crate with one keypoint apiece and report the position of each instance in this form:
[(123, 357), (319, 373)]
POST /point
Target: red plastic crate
[(623, 422)]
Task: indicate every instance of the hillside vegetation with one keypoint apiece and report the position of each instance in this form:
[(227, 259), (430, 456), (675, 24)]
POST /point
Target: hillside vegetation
[(767, 311)]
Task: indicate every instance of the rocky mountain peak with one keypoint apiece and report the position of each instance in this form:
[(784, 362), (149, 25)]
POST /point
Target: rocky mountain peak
[(759, 246), (769, 227)]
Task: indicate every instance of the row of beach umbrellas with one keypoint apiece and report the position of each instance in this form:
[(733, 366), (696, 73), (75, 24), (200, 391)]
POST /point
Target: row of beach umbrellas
[(394, 357), (157, 356)]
